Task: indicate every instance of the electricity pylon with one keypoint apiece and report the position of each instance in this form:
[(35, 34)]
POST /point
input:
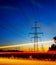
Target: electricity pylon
[(36, 33)]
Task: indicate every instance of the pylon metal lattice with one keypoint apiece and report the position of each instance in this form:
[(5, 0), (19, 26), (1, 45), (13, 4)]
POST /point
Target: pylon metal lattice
[(36, 33)]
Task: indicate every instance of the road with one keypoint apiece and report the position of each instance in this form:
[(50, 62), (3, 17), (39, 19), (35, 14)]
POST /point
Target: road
[(9, 61)]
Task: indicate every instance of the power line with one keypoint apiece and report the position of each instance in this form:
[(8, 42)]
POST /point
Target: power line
[(9, 30)]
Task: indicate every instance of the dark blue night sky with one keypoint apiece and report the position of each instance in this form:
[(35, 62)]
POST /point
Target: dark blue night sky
[(18, 16)]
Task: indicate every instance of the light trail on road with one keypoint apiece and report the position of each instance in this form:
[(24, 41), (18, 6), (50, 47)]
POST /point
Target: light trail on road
[(9, 61)]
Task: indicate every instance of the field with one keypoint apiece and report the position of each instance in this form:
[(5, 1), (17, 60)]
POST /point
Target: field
[(12, 61)]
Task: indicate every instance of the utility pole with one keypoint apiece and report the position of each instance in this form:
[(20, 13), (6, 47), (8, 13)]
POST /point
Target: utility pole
[(36, 33)]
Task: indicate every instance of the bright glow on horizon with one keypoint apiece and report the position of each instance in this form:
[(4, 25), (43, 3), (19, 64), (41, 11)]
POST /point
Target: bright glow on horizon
[(44, 44)]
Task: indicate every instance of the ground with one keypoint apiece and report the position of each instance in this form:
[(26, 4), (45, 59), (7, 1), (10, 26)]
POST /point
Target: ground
[(11, 61)]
